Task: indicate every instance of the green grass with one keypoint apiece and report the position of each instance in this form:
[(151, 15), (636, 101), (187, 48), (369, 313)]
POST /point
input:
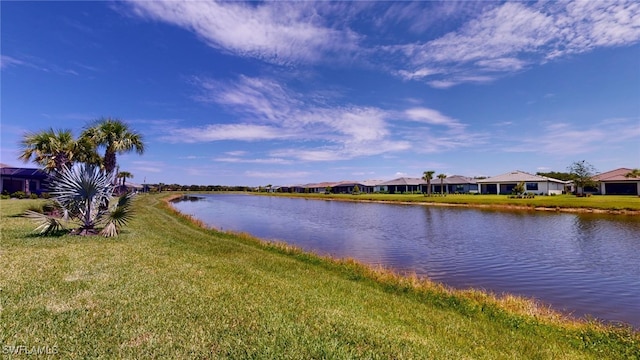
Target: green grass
[(166, 288), (600, 202)]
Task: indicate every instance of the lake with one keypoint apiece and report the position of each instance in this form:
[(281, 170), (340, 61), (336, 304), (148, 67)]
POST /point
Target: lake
[(578, 263)]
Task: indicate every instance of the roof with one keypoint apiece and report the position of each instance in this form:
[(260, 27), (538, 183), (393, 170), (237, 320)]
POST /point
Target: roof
[(518, 176), (404, 181), (322, 185), (615, 175), (371, 182), (22, 172), (455, 180)]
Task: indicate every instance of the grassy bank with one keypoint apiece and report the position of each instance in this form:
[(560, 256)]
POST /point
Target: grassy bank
[(168, 288), (598, 202)]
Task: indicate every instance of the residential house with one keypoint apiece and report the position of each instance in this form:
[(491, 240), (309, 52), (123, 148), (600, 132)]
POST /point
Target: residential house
[(454, 184), (404, 185), (320, 187), (615, 182), (535, 184), (27, 180)]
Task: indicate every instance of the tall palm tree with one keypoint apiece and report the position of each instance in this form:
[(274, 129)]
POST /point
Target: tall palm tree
[(442, 177), (427, 176), (51, 149), (116, 137)]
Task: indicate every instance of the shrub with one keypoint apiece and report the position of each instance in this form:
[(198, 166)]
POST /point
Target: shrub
[(3, 196), (45, 195), (19, 195), (33, 196)]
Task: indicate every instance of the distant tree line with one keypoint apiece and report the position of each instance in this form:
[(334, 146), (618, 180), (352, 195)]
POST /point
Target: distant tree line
[(177, 187)]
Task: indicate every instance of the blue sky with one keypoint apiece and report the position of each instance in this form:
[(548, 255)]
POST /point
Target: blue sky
[(256, 93)]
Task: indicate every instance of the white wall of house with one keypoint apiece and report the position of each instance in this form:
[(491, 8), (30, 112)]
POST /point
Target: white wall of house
[(535, 187)]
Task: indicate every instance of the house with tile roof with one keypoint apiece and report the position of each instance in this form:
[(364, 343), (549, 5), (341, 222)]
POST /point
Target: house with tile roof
[(454, 184), (534, 184), (404, 185), (615, 182)]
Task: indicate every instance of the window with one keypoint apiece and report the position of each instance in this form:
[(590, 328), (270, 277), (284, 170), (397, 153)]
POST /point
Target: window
[(532, 186)]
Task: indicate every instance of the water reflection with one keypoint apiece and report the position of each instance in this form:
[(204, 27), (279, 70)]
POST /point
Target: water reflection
[(583, 263)]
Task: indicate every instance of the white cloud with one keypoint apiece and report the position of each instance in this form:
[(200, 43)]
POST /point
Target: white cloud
[(432, 117), (7, 61), (343, 131), (253, 161), (277, 32), (236, 153), (316, 131), (293, 175), (511, 36), (570, 139), (148, 166), (219, 132)]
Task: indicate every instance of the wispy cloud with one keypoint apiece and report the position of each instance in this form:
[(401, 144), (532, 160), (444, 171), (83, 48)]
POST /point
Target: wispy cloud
[(492, 39), (148, 166), (316, 131), (433, 117), (276, 32), (510, 37), (271, 161), (569, 139), (217, 132), (7, 61), (273, 111), (291, 175)]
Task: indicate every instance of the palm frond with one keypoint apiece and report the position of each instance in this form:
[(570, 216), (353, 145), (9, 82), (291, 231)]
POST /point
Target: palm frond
[(110, 230), (46, 224), (84, 191)]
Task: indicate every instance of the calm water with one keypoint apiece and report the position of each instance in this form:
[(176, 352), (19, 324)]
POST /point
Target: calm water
[(579, 263)]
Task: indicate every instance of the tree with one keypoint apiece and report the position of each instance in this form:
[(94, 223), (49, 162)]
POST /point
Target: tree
[(564, 176), (427, 176), (124, 175), (518, 189), (55, 149), (356, 189), (116, 137), (85, 194), (635, 173), (582, 173), (442, 177)]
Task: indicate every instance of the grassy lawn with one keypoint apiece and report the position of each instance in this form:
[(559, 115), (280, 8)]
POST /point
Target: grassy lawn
[(604, 202), (167, 288)]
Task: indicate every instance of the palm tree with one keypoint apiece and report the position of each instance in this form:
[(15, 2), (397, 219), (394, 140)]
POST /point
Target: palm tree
[(427, 176), (635, 173), (84, 193), (124, 175), (442, 177), (51, 149), (116, 137)]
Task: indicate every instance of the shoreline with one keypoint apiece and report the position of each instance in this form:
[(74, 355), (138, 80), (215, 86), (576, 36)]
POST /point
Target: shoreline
[(537, 306), (480, 206)]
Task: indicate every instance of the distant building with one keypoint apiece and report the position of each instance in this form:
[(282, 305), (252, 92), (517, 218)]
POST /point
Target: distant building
[(534, 184), (27, 180), (455, 184), (404, 185), (615, 182)]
